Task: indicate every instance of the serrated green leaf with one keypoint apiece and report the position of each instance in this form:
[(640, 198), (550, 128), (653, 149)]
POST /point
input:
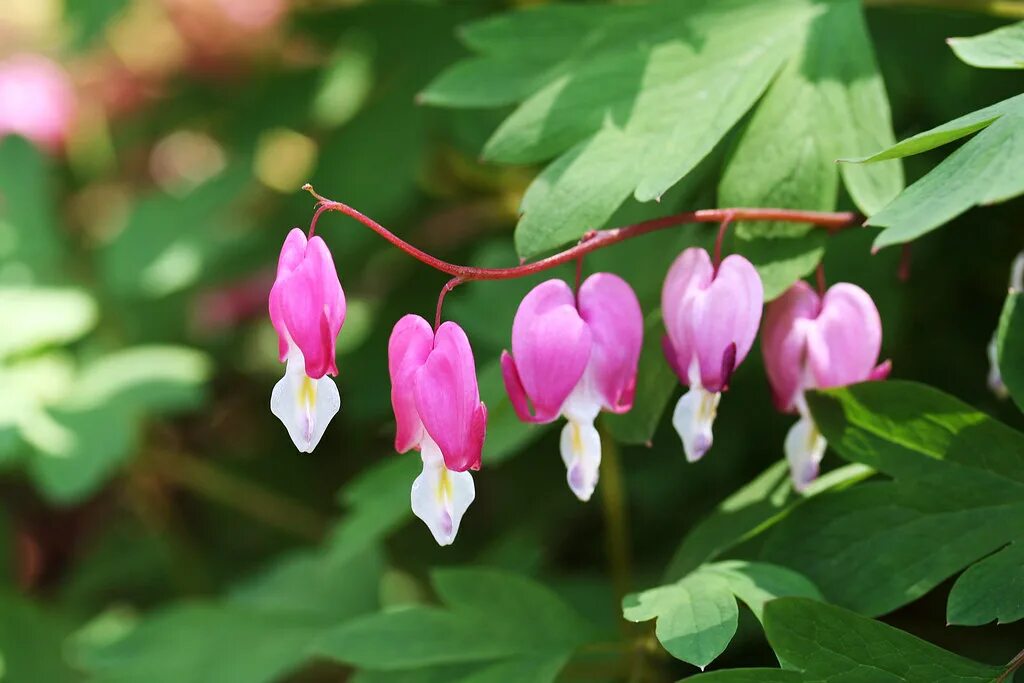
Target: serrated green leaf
[(958, 496), (830, 644), (697, 615), (1009, 344), (35, 317), (751, 510), (991, 590), (631, 97), (828, 101), (1002, 48), (982, 171), (825, 644), (491, 616), (260, 633)]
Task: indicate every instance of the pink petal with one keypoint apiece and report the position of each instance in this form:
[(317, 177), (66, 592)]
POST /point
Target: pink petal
[(611, 310), (516, 393), (410, 344), (37, 100), (725, 318), (843, 345), (307, 304), (711, 316), (690, 273), (551, 345), (292, 253), (784, 341), (448, 399)]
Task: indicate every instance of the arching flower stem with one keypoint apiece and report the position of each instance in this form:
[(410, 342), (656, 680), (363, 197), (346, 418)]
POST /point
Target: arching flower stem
[(722, 229), (830, 221), (819, 276), (448, 286)]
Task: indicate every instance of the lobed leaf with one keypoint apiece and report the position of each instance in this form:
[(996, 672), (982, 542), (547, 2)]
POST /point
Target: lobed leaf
[(1002, 48)]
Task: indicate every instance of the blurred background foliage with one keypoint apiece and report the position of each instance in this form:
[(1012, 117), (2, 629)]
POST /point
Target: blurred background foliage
[(157, 524)]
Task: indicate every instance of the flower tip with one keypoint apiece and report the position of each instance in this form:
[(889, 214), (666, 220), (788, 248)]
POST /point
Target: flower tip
[(578, 483), (696, 449)]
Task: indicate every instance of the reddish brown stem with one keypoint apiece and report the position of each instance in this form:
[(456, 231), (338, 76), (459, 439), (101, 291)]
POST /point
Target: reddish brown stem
[(819, 274), (448, 286), (722, 229), (830, 221)]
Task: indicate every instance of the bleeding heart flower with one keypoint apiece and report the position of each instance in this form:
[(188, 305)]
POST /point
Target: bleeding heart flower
[(711, 318), (438, 411), (307, 307), (995, 378), (574, 357), (813, 342), (37, 100)]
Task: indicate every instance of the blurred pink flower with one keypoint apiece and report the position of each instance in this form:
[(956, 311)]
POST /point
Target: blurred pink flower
[(711, 319), (813, 342), (438, 411), (37, 100), (575, 357), (253, 14), (307, 308)]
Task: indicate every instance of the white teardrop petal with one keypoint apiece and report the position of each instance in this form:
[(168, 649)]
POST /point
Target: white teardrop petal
[(440, 497), (305, 405), (805, 447), (581, 452), (694, 418)]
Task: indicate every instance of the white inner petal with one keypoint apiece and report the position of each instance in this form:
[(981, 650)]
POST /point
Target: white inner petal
[(805, 447), (581, 453), (694, 418), (440, 497), (305, 405)]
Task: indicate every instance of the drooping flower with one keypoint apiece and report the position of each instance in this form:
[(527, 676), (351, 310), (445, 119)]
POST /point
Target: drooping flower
[(438, 411), (813, 342), (575, 356), (37, 100), (307, 307), (711, 319), (995, 378)]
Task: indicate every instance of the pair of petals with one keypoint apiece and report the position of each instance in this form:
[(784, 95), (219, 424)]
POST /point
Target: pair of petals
[(557, 339), (307, 304), (813, 342), (711, 317), (434, 392)]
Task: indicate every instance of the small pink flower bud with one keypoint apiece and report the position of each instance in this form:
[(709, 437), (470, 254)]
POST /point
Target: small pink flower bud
[(438, 411), (711, 319), (37, 100), (575, 357), (813, 342), (307, 308)]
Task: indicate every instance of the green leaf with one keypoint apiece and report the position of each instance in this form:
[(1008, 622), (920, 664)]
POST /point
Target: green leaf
[(828, 101), (489, 615), (655, 383), (377, 502), (31, 643), (830, 644), (985, 170), (1002, 48), (957, 496), (1009, 343), (697, 615), (257, 635), (36, 317), (628, 98), (171, 242), (30, 250), (83, 439), (825, 644), (991, 590), (89, 18), (750, 511)]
